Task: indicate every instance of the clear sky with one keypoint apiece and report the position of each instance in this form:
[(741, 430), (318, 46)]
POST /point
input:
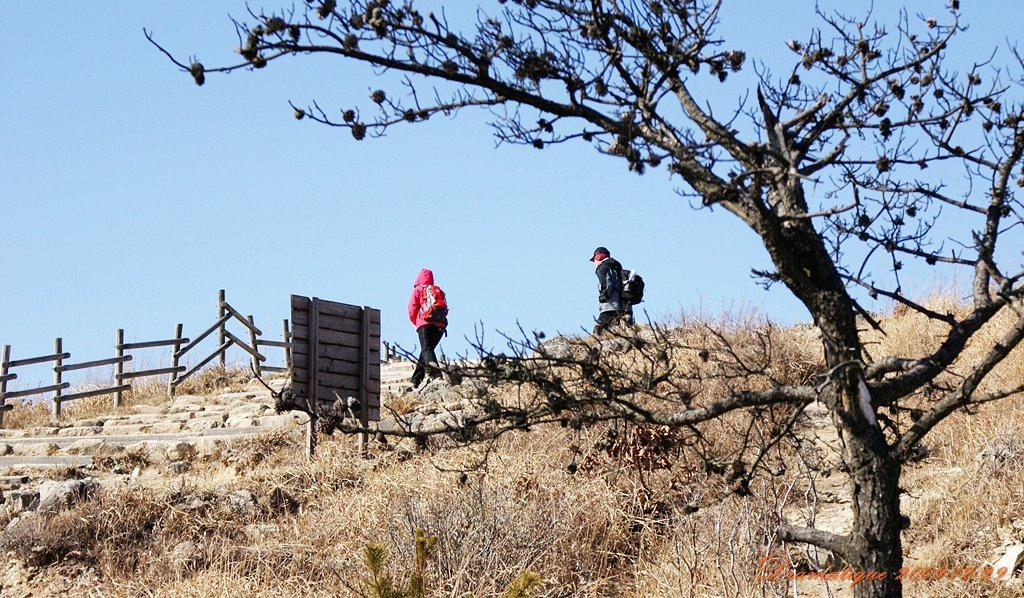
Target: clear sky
[(129, 196)]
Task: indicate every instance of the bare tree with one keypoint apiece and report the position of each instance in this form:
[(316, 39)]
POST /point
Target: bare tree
[(839, 183)]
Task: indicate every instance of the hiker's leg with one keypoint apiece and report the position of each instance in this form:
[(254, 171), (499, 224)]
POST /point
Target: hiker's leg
[(425, 355), (604, 321), (430, 339)]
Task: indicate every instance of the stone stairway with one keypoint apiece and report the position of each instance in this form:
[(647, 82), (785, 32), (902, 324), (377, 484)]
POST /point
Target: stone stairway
[(162, 433), (394, 376)]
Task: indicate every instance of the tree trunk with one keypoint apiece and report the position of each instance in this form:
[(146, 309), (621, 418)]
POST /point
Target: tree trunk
[(874, 544)]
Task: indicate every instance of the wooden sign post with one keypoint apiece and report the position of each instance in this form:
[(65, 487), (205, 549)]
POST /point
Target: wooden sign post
[(335, 356)]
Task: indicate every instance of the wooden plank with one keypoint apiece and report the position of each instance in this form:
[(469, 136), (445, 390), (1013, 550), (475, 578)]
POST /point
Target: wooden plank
[(95, 393), (93, 364), (34, 360), (144, 373), (174, 360), (336, 352), (58, 375), (5, 376), (147, 344), (364, 370), (298, 302), (313, 332), (218, 351), (35, 391), (327, 377), (119, 366), (302, 361), (341, 339), (287, 336), (241, 345), (281, 344), (216, 325), (245, 322), (275, 369), (328, 336), (221, 312), (339, 324), (335, 319)]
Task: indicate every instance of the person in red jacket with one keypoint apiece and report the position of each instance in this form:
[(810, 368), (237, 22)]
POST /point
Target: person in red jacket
[(429, 327)]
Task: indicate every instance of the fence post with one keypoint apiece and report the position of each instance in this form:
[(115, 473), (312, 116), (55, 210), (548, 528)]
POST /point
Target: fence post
[(174, 361), (252, 341), (220, 332), (119, 366), (5, 356), (286, 336), (58, 349)]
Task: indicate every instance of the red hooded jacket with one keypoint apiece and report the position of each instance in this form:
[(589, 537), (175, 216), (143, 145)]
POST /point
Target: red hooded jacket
[(416, 299)]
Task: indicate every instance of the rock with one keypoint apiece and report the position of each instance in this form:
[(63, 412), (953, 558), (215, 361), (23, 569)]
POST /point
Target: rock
[(91, 446), (167, 428), (120, 429), (89, 423), (6, 449), (277, 421), (615, 345), (204, 423), (186, 556), (54, 496), (1000, 453), (209, 447), (179, 467), (20, 500), (1011, 559), (80, 431), (12, 482), (155, 451), (255, 530), (192, 502), (558, 347), (181, 451), (35, 449), (243, 501)]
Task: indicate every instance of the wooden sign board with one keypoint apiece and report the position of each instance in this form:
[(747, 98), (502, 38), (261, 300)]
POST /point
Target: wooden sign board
[(335, 354)]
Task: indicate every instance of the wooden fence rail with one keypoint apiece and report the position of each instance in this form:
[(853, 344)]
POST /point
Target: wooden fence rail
[(179, 347)]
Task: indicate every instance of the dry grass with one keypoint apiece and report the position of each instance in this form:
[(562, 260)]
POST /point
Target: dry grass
[(609, 529)]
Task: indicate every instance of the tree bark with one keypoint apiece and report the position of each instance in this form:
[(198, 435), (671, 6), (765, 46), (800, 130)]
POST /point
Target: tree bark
[(806, 268)]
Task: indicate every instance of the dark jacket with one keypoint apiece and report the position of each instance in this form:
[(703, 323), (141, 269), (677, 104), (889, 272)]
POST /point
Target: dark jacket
[(609, 285)]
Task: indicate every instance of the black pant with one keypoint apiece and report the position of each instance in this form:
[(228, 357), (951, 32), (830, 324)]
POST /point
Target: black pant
[(606, 320), (430, 336)]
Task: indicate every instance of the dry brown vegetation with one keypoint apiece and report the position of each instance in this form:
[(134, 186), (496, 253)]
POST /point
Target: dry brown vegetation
[(591, 517)]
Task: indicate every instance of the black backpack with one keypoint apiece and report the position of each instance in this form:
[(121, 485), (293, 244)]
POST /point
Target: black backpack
[(632, 287)]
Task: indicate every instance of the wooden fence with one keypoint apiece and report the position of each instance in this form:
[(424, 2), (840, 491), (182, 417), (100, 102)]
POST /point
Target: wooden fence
[(180, 346)]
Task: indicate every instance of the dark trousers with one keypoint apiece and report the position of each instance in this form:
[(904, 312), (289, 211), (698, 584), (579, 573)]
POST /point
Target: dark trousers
[(430, 336), (606, 320)]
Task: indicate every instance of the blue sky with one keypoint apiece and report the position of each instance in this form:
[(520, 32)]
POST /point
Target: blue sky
[(129, 196)]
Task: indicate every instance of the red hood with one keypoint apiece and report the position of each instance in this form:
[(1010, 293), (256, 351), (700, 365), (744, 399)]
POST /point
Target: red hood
[(424, 277)]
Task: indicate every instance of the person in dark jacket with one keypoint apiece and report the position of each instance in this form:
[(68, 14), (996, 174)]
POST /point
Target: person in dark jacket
[(609, 289), (429, 332)]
